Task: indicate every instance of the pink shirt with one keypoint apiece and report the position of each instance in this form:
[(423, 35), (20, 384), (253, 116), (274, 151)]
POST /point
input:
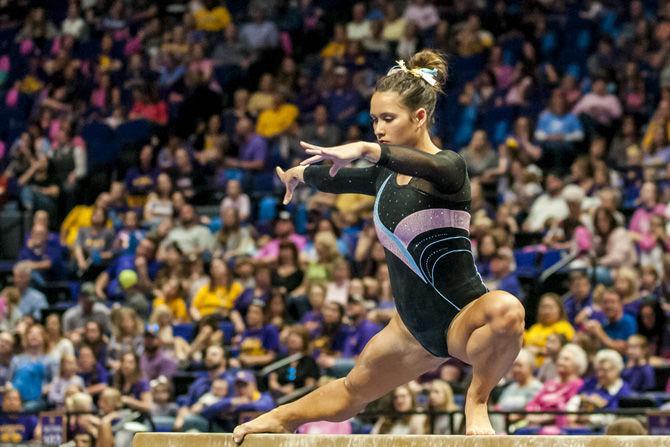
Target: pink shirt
[(325, 428), (603, 109), (271, 249), (554, 395), (641, 224)]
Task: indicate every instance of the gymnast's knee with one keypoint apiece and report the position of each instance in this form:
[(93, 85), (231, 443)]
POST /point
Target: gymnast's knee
[(506, 314)]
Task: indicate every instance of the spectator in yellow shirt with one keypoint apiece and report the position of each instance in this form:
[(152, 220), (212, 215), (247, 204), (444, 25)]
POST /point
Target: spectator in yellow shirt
[(551, 319), (212, 16), (276, 120), (660, 120), (217, 297), (80, 216), (262, 98), (337, 47), (171, 296)]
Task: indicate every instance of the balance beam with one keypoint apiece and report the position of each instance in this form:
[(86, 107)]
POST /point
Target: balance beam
[(226, 440)]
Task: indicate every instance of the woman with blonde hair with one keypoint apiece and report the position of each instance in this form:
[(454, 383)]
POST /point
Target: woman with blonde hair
[(441, 398), (403, 401), (327, 253), (10, 314), (127, 335), (627, 283)]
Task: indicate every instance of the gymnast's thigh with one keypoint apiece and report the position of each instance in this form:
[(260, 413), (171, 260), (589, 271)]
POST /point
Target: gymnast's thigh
[(392, 358)]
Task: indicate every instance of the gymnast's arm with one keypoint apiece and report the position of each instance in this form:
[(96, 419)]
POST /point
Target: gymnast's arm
[(447, 170), (347, 180)]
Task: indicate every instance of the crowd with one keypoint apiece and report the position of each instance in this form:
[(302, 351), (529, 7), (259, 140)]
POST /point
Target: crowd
[(141, 139)]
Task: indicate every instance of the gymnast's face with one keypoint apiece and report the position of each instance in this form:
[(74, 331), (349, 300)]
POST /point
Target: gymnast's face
[(393, 123)]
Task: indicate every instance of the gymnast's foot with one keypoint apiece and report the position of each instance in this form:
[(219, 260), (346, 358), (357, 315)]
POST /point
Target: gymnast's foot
[(477, 419), (266, 423)]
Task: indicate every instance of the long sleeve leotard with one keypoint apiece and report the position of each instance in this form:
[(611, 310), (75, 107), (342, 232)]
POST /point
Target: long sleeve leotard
[(424, 228)]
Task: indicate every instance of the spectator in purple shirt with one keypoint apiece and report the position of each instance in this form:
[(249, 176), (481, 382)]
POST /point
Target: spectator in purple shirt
[(155, 361), (342, 102), (15, 427), (141, 179), (44, 257), (579, 296), (259, 343), (95, 375), (602, 392), (215, 368), (246, 398), (503, 275), (639, 374), (253, 152), (135, 389), (358, 335)]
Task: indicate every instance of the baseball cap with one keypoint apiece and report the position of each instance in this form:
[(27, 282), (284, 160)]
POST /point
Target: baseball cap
[(245, 377), (151, 330), (87, 289)]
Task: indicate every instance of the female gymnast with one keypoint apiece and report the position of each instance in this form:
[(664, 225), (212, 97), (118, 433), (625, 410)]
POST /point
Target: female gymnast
[(421, 215)]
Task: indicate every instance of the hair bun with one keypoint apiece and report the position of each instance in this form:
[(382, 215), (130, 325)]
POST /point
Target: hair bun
[(434, 60)]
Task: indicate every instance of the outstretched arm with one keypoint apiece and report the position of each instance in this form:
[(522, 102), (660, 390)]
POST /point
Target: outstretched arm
[(348, 180), (446, 170)]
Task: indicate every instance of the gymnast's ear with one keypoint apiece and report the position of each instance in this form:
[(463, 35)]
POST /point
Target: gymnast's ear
[(420, 116)]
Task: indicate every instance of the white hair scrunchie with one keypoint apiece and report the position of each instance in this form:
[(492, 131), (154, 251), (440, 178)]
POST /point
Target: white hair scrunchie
[(427, 74)]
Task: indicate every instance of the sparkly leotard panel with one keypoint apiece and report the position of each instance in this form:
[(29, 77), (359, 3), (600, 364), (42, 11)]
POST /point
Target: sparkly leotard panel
[(423, 227)]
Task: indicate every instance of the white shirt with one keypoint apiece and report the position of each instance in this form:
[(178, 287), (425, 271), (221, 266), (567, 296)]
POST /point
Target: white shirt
[(241, 204), (546, 207), (358, 31)]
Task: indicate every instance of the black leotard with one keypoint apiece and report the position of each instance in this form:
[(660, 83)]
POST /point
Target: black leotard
[(424, 228)]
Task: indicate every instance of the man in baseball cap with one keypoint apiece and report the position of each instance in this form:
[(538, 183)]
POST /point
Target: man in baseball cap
[(246, 398)]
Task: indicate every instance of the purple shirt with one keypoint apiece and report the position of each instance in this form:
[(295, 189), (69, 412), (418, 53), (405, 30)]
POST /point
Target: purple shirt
[(256, 148), (138, 388), (591, 387), (640, 378), (16, 429), (573, 306), (50, 251), (159, 365), (358, 337), (260, 341)]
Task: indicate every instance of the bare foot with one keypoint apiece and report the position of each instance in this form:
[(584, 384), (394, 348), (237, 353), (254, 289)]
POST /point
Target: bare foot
[(477, 419), (265, 423)]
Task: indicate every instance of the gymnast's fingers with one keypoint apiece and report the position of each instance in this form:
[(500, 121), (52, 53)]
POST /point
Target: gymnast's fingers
[(312, 160), (307, 146)]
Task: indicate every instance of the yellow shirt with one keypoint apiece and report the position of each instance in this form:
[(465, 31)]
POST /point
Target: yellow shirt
[(334, 49), (260, 101), (79, 216), (393, 31), (537, 334), (214, 20), (648, 138), (272, 122), (209, 302), (176, 305)]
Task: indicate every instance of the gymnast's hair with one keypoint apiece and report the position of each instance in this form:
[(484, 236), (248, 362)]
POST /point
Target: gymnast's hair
[(415, 92)]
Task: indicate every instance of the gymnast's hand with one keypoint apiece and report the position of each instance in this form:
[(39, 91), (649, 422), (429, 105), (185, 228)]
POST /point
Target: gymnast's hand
[(341, 156), (291, 178)]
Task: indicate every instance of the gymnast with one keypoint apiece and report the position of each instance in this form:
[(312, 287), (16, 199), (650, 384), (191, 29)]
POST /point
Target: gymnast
[(421, 215)]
